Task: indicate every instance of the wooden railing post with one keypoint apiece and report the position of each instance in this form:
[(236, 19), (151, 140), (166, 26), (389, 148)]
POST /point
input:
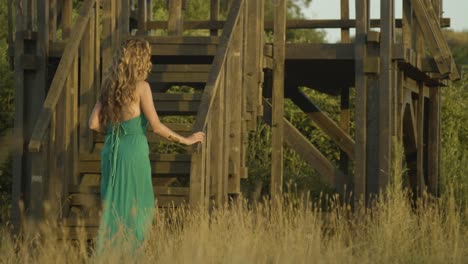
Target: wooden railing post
[(176, 20), (108, 32), (142, 17), (279, 53), (214, 15)]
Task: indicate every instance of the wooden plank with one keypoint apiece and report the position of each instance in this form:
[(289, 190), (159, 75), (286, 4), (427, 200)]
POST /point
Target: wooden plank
[(360, 101), (234, 88), (386, 91), (328, 173), (86, 89), (53, 19), (94, 201), (196, 196), (219, 60), (252, 60), (420, 140), (214, 15), (279, 56), (291, 24), (157, 167), (156, 78), (158, 191), (58, 82), (183, 50), (142, 17), (108, 27), (325, 123), (96, 156), (184, 129), (344, 15), (217, 149), (434, 38), (224, 80), (123, 20), (434, 141), (175, 22), (195, 40)]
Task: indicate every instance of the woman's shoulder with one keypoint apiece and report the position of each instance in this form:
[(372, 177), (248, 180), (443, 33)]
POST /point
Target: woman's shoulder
[(142, 87)]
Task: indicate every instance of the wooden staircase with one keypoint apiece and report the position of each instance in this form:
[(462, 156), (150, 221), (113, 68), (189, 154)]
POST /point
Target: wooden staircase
[(177, 61)]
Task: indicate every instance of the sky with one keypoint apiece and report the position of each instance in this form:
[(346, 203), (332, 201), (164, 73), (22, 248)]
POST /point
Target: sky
[(456, 10)]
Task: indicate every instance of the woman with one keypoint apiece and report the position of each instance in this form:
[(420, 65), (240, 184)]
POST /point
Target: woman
[(123, 111)]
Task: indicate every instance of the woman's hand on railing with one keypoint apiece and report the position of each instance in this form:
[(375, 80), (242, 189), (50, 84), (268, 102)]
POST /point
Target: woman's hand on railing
[(194, 138)]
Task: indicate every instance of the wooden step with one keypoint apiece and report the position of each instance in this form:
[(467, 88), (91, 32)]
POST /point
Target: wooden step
[(179, 74), (177, 103), (169, 165), (184, 129), (93, 200), (183, 46), (158, 191)]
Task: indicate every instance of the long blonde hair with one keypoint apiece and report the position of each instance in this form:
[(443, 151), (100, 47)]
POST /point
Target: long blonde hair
[(131, 63)]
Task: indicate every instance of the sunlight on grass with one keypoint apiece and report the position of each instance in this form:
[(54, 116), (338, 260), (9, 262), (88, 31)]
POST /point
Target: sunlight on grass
[(391, 232)]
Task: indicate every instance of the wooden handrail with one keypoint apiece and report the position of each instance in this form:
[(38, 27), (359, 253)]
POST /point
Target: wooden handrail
[(290, 24), (212, 85), (57, 86)]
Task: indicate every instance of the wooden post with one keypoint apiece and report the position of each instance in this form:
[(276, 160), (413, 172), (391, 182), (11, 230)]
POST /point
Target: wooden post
[(227, 129), (108, 32), (53, 20), (217, 147), (124, 19), (260, 47), (67, 12), (360, 101), (344, 107), (234, 75), (214, 15), (434, 147), (386, 90), (420, 140), (18, 153), (176, 22), (279, 51), (142, 17), (251, 63), (87, 97)]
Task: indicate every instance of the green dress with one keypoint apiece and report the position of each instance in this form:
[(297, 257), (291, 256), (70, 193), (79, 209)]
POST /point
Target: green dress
[(126, 187)]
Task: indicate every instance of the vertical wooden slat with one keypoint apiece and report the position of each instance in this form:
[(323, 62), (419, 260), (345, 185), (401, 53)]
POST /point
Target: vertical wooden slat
[(67, 12), (123, 19), (420, 140), (251, 63), (87, 97), (175, 23), (142, 16), (434, 141), (53, 20), (386, 90), (39, 174), (19, 138), (217, 147), (214, 15), (261, 42), (234, 71), (227, 129), (344, 109), (208, 173), (196, 197), (360, 101), (97, 50), (279, 53), (108, 28)]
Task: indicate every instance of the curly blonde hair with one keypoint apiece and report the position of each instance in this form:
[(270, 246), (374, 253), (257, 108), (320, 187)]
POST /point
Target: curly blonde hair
[(131, 63)]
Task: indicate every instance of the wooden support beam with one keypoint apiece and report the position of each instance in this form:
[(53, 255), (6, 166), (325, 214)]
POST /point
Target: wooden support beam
[(234, 90), (290, 24), (108, 36), (386, 91), (344, 15), (175, 23), (214, 15), (123, 18), (420, 140), (434, 148), (142, 17), (58, 82), (327, 171), (362, 28), (279, 55), (324, 122)]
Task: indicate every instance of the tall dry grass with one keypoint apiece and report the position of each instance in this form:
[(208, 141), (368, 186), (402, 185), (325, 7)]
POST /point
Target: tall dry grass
[(393, 231)]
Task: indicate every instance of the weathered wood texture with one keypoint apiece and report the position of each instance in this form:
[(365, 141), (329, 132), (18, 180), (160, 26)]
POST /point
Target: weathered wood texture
[(279, 54)]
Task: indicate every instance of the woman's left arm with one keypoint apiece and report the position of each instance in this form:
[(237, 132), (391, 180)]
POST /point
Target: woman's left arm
[(94, 118)]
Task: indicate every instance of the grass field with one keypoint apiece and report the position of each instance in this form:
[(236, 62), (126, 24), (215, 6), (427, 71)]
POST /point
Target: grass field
[(392, 231)]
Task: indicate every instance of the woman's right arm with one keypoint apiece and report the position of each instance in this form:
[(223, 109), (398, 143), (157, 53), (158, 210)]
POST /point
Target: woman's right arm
[(149, 110)]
